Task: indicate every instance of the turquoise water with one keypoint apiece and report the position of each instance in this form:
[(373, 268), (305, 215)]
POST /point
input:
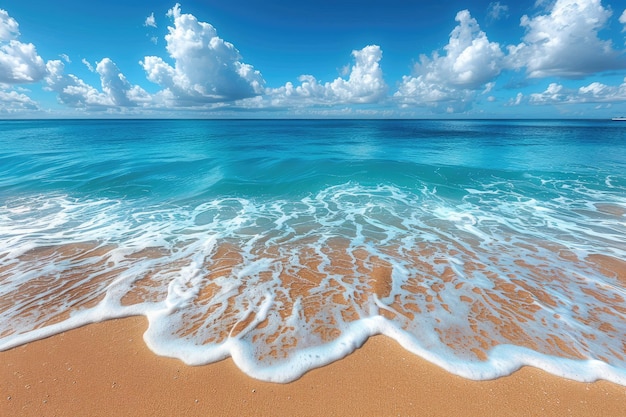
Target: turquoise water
[(481, 246)]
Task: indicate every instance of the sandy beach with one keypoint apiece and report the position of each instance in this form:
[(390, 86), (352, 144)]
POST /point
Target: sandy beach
[(105, 369)]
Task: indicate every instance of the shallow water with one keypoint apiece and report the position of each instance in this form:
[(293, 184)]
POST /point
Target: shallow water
[(481, 246)]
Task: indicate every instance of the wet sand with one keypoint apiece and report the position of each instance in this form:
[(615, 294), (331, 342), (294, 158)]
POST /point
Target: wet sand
[(105, 369)]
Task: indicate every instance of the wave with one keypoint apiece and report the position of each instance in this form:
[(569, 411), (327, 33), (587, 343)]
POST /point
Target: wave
[(511, 274)]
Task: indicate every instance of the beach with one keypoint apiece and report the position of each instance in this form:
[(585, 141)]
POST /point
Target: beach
[(105, 369), (444, 252)]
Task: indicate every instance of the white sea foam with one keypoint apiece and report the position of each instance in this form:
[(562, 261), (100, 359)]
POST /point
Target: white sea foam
[(480, 288)]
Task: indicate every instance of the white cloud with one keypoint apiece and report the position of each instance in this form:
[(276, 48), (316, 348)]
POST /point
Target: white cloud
[(365, 84), (88, 65), (117, 88), (470, 62), (517, 100), (150, 21), (13, 102), (497, 11), (206, 68), (555, 93), (65, 58), (9, 28), (600, 93), (116, 91), (565, 41), (19, 62), (593, 93), (419, 91), (622, 20), (71, 90)]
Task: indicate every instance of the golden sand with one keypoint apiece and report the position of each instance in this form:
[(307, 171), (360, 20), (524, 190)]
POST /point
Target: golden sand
[(105, 369)]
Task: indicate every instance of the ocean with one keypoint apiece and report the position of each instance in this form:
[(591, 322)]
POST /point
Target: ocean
[(479, 245)]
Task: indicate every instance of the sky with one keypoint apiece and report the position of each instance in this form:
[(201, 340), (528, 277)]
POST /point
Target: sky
[(312, 59)]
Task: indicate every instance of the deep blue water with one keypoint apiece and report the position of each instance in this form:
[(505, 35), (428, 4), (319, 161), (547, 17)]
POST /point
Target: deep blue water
[(176, 159)]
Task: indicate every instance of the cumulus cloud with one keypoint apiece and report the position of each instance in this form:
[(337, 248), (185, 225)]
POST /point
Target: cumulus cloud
[(12, 101), (365, 84), (565, 42), (554, 94), (601, 93), (470, 63), (19, 62), (595, 92), (206, 68), (71, 90), (9, 28), (116, 90)]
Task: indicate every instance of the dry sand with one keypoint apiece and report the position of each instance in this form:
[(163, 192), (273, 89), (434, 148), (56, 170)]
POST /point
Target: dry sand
[(105, 369)]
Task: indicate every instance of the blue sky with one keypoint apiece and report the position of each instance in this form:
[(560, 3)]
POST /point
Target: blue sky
[(322, 58)]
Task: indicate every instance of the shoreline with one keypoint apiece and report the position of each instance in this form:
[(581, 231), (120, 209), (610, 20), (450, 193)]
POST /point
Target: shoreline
[(106, 369)]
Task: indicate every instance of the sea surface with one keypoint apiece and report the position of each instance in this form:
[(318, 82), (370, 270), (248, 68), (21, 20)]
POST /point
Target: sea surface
[(481, 246)]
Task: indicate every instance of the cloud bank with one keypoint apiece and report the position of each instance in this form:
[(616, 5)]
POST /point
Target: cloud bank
[(364, 85), (593, 93), (199, 71), (74, 92)]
